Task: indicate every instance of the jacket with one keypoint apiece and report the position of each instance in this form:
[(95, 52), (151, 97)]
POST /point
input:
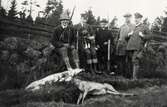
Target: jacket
[(136, 42), (63, 36)]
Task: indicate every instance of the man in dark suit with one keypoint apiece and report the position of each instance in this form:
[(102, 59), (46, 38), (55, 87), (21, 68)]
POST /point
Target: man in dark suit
[(64, 39), (103, 35)]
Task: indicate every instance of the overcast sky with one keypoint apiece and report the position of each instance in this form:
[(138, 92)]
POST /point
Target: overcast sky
[(108, 8)]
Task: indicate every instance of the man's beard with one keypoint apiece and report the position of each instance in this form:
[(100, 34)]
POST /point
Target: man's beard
[(64, 26)]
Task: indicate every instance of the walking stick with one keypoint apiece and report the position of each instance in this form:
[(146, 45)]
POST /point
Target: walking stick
[(108, 59)]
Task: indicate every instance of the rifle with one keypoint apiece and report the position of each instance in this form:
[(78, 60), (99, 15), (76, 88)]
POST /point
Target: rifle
[(108, 59), (77, 41), (72, 12)]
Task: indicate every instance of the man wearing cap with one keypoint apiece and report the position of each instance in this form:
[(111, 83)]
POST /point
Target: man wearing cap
[(86, 42), (136, 43), (64, 40), (103, 35), (126, 28)]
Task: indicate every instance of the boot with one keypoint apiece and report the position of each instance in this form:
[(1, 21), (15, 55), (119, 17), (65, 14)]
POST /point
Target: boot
[(95, 67), (69, 68), (90, 67), (135, 72), (77, 64)]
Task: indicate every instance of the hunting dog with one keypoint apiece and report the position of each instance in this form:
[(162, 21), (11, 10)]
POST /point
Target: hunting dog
[(94, 88)]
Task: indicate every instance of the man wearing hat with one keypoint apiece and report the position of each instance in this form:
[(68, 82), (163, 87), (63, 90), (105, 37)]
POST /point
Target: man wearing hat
[(86, 42), (126, 28), (64, 40), (136, 43), (103, 35)]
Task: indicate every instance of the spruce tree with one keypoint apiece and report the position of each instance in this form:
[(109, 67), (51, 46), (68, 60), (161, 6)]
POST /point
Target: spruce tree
[(53, 11), (12, 12)]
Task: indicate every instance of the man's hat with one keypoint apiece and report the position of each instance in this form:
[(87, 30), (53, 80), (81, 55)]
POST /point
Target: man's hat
[(64, 16), (138, 15), (127, 15), (84, 16), (103, 21)]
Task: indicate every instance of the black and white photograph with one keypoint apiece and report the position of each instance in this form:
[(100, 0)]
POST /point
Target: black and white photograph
[(83, 53)]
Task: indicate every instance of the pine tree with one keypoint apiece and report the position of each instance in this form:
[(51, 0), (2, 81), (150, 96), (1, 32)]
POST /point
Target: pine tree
[(53, 11), (89, 17), (2, 12), (12, 12)]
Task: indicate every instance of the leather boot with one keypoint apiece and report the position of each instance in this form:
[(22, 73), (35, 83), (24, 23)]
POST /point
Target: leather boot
[(68, 64), (77, 64), (135, 72)]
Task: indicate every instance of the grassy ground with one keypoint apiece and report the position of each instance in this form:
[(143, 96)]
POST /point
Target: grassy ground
[(150, 93), (146, 97)]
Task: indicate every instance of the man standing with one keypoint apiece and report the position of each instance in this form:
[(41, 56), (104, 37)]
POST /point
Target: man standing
[(136, 43), (103, 37), (64, 40), (126, 28), (86, 42)]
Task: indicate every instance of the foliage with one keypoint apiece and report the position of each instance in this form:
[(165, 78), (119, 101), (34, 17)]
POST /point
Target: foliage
[(88, 15), (113, 23), (12, 12), (53, 11), (157, 24), (154, 62), (164, 25), (3, 12), (27, 59)]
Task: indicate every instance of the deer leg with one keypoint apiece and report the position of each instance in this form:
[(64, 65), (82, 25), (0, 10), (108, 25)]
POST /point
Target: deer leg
[(110, 88), (84, 95), (114, 93), (121, 94), (79, 98)]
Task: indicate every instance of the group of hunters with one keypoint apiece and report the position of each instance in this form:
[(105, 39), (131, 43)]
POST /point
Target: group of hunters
[(90, 49)]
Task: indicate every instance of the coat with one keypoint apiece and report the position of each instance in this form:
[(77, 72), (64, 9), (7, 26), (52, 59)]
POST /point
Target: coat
[(83, 33), (136, 42), (122, 41), (103, 36), (63, 36)]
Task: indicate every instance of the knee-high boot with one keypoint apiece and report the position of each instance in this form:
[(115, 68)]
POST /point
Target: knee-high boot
[(135, 71), (67, 63)]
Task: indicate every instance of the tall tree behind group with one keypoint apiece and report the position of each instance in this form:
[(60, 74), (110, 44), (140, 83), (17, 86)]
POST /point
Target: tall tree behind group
[(53, 10), (12, 12), (90, 17)]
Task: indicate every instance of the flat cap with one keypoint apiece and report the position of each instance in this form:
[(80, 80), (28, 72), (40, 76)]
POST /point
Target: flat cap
[(127, 15), (138, 15)]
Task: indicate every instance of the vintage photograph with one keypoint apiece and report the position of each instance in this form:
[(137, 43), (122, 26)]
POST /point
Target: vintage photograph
[(83, 53)]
